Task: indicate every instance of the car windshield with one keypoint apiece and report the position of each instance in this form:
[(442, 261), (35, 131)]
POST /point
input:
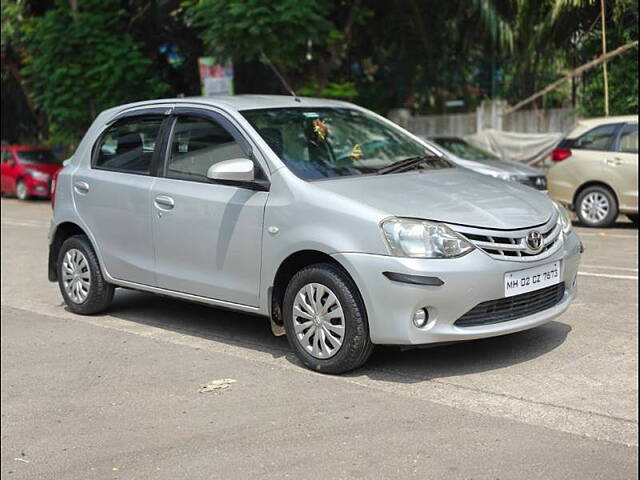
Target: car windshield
[(37, 156), (464, 150), (317, 143)]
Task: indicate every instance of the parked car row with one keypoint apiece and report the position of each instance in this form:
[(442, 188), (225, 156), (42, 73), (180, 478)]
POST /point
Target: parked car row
[(595, 171)]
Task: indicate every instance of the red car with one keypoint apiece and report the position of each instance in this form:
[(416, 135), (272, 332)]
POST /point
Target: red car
[(27, 171)]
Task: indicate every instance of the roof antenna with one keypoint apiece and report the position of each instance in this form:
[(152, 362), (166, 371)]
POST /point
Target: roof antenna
[(265, 59)]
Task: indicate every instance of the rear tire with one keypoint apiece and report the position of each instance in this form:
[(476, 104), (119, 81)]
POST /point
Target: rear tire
[(80, 279), (332, 312), (22, 192), (596, 207), (633, 218)]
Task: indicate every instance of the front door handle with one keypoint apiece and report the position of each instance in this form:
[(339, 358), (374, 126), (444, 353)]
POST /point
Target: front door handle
[(164, 202), (81, 187)]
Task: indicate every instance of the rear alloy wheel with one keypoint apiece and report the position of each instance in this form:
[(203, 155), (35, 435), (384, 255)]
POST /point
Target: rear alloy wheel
[(596, 207), (82, 285), (22, 192), (325, 319)]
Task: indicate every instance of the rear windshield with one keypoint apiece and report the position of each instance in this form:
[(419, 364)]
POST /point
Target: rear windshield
[(38, 156)]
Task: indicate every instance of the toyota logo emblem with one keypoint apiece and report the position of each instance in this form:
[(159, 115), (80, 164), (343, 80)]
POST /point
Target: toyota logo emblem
[(534, 240)]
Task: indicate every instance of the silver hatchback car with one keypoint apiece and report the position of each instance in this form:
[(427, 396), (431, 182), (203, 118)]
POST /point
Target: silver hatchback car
[(344, 229)]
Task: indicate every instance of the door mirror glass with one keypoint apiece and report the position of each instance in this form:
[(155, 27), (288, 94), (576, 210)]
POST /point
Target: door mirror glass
[(234, 170)]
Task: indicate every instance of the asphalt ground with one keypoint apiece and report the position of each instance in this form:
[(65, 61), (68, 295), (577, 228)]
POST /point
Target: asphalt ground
[(117, 395)]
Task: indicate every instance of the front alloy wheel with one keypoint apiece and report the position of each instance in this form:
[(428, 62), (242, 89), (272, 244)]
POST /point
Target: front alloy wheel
[(22, 192), (318, 320), (325, 319)]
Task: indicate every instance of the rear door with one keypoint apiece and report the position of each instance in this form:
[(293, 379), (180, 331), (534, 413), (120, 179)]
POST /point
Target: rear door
[(208, 236), (623, 167), (112, 195)]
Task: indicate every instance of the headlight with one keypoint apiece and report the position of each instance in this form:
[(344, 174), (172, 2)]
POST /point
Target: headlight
[(421, 239), (39, 175), (563, 218)]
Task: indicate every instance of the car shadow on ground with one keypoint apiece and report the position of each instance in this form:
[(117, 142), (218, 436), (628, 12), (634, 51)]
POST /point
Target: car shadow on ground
[(387, 363), (622, 223)]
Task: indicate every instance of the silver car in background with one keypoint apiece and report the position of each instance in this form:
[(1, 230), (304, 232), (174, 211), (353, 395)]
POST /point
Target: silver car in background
[(341, 227), (463, 154)]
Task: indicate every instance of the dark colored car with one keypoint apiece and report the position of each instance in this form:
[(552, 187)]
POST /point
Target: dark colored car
[(463, 154), (27, 171)]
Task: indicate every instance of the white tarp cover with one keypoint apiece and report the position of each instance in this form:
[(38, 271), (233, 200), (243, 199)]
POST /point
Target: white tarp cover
[(529, 148)]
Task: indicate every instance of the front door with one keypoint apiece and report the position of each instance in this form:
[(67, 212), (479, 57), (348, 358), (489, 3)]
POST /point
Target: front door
[(622, 167), (207, 236), (112, 195)]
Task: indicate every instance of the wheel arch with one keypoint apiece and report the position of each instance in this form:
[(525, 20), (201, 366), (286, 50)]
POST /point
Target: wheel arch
[(62, 232), (287, 269)]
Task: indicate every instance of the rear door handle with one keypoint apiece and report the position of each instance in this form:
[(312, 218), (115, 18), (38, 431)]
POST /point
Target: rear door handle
[(613, 161), (81, 187), (164, 202)]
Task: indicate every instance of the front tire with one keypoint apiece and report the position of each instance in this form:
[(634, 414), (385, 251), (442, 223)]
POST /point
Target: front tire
[(80, 279), (22, 191), (325, 320), (597, 207)]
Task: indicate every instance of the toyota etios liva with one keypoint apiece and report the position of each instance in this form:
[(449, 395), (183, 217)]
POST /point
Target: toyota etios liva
[(344, 229)]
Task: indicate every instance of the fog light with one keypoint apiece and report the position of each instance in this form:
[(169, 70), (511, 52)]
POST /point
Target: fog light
[(420, 318)]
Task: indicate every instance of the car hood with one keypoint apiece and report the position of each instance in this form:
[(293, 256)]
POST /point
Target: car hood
[(493, 167), (452, 195)]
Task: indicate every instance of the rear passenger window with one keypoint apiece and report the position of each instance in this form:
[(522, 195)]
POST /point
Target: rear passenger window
[(196, 145), (597, 139), (128, 145), (628, 141)]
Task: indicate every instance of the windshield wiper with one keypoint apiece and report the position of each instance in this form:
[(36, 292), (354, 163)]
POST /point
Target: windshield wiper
[(406, 164)]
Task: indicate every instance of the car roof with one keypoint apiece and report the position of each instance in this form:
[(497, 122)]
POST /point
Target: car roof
[(244, 102), (587, 124)]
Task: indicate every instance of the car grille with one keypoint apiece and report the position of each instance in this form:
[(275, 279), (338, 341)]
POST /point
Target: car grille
[(512, 244), (538, 182), (512, 308)]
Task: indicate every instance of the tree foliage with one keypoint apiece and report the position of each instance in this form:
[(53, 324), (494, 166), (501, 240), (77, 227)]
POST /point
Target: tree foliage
[(243, 29), (79, 62), (80, 56)]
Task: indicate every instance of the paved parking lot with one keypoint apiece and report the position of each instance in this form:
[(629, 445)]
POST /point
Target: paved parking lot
[(117, 396)]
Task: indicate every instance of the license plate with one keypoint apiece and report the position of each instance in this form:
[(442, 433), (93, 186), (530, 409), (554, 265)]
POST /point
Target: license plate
[(531, 279)]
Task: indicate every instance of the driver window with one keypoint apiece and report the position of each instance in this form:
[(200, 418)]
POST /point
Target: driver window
[(196, 145)]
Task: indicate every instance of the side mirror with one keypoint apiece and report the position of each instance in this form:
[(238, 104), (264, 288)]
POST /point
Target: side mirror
[(236, 170)]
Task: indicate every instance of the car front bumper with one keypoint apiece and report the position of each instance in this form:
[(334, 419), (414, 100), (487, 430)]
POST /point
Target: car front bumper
[(467, 281), (39, 188)]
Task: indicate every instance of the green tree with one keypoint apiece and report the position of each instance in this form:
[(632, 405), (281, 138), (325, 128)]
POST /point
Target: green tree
[(78, 60)]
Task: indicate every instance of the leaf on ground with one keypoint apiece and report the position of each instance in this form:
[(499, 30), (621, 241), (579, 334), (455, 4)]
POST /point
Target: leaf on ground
[(217, 386)]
